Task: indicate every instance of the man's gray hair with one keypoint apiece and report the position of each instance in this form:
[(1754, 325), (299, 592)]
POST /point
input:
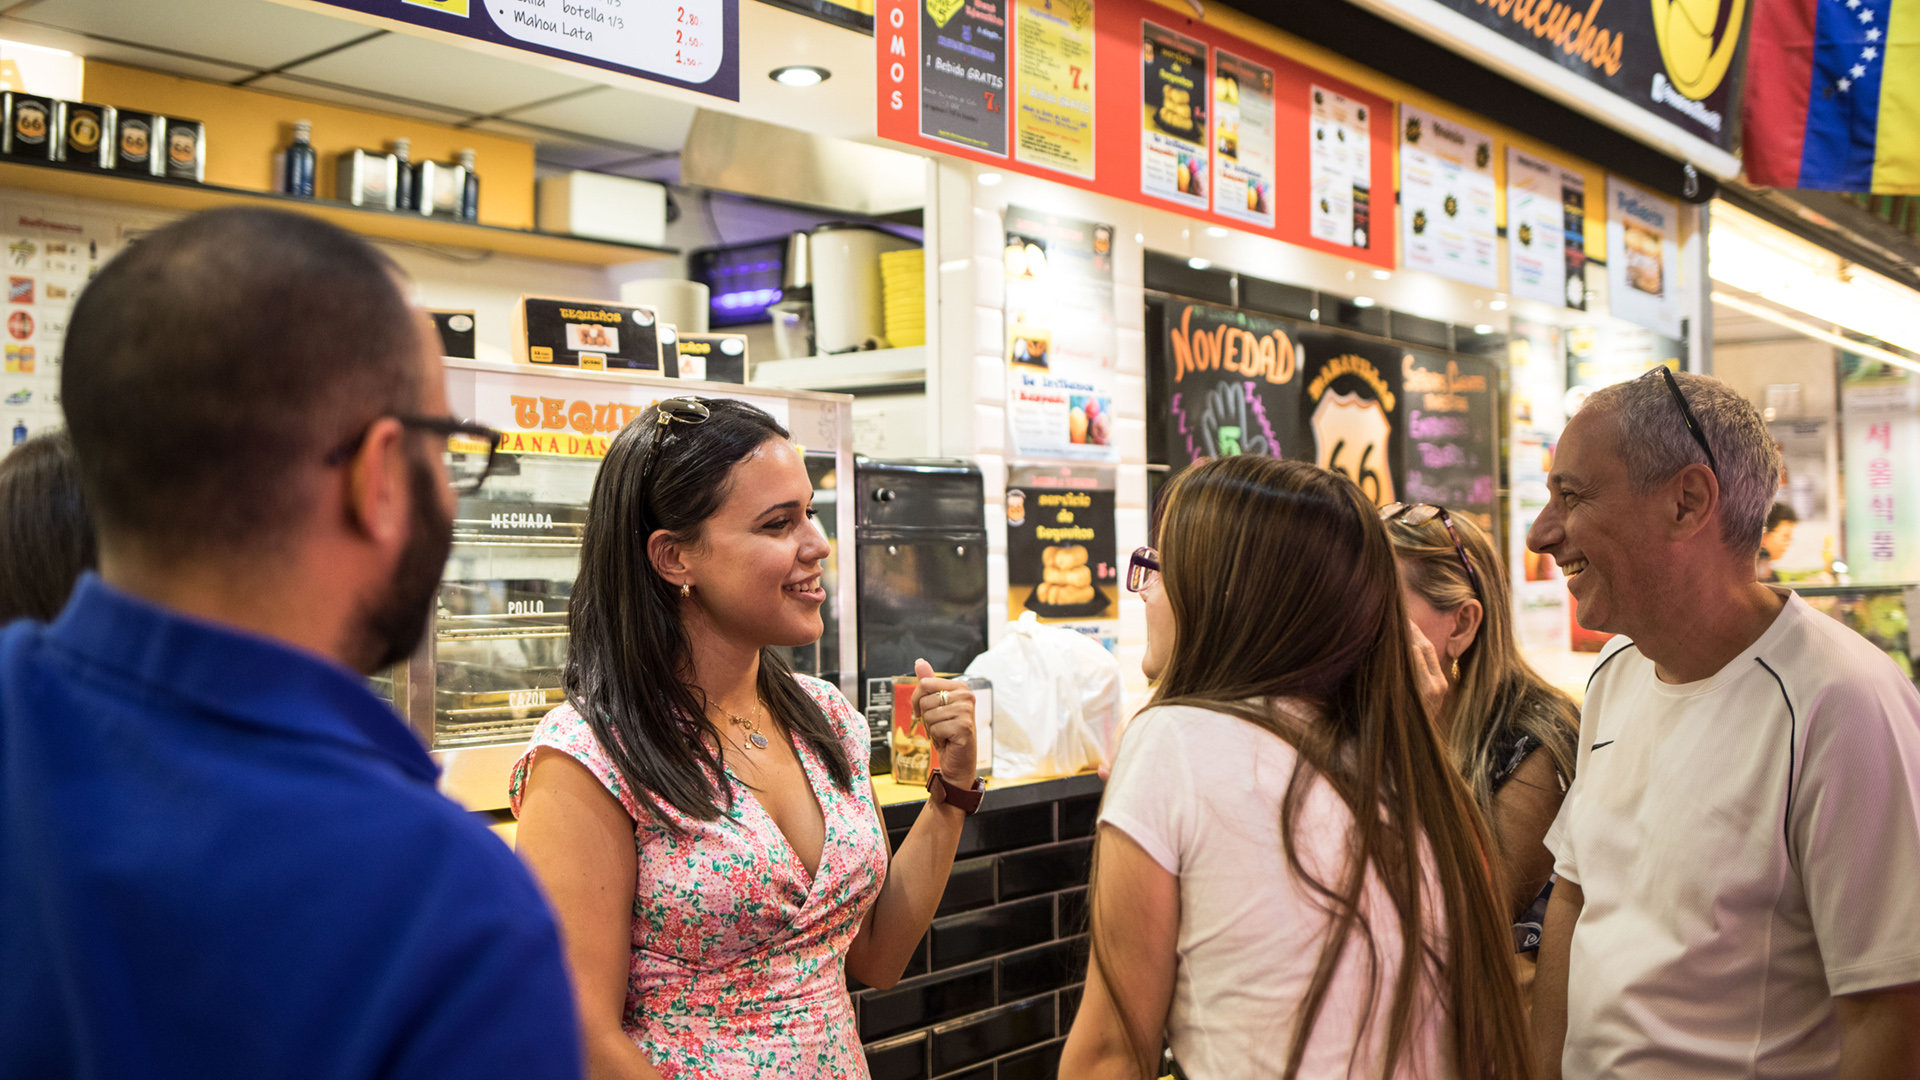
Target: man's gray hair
[(1655, 444)]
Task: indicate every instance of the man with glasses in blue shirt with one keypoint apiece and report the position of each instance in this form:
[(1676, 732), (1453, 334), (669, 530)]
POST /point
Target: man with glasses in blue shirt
[(220, 854), (1737, 856)]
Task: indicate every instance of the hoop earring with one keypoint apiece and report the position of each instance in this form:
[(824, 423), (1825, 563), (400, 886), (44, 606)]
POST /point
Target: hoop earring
[(686, 592)]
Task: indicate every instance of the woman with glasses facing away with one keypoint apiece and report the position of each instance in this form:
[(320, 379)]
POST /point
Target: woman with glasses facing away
[(1289, 879), (1510, 733), (701, 816)]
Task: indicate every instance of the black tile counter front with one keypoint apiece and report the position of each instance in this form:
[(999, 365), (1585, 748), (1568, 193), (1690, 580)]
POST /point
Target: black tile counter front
[(995, 983)]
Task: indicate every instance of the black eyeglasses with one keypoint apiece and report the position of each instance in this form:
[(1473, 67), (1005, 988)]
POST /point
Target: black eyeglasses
[(1143, 569), (468, 454), (690, 411), (1693, 426), (1418, 514)]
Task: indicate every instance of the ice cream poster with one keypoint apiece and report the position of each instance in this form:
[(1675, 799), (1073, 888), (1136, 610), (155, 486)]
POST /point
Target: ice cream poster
[(1174, 99), (1061, 336), (1061, 560)]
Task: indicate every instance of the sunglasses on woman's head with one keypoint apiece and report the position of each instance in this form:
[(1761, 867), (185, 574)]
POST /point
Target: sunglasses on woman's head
[(1418, 514), (689, 411)]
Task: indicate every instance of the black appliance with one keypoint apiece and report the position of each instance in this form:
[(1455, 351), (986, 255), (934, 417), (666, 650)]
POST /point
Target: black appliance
[(920, 534)]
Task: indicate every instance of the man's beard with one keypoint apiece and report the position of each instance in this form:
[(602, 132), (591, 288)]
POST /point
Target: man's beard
[(396, 621)]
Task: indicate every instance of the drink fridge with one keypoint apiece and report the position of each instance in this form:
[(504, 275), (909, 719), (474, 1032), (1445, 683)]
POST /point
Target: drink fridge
[(491, 666)]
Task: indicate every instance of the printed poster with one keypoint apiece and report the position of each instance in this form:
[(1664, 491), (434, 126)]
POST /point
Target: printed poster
[(1243, 139), (1643, 257), (1062, 563), (963, 73), (1447, 197), (1053, 124), (1173, 150), (1880, 442), (50, 256), (1061, 336), (1340, 170), (1546, 229)]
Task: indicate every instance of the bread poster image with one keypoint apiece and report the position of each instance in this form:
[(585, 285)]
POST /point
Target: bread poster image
[(1061, 561)]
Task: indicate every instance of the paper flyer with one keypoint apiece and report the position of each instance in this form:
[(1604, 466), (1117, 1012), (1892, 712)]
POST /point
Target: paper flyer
[(1537, 263), (1061, 559), (1173, 148), (1243, 139), (1053, 74), (1339, 170), (963, 73), (1447, 199), (1643, 257), (1061, 336)]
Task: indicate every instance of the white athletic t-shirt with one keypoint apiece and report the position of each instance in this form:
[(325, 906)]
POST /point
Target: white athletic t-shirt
[(1200, 791), (1749, 847)]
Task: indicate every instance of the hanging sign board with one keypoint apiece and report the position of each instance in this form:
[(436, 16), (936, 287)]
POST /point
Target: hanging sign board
[(692, 44), (1643, 257), (1546, 231), (1447, 198), (1133, 100)]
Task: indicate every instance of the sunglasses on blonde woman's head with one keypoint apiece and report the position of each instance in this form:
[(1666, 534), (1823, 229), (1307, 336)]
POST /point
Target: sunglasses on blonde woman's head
[(1143, 569), (1418, 514)]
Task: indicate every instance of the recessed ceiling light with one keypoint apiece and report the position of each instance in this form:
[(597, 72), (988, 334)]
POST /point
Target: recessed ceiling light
[(1382, 275), (1314, 314), (800, 75), (1216, 231), (1363, 301), (1482, 328), (1200, 264), (988, 179), (1498, 305)]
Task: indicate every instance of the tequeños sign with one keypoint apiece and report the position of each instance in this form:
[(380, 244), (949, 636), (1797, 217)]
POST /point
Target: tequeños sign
[(1675, 59)]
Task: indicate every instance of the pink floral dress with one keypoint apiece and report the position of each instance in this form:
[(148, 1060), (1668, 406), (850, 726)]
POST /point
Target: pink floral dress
[(739, 957)]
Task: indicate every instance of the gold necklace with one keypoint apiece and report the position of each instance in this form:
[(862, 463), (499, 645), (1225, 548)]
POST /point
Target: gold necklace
[(754, 738)]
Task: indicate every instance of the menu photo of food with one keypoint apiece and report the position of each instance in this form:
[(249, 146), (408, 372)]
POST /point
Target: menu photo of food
[(1243, 138), (592, 337), (1174, 95), (1644, 270)]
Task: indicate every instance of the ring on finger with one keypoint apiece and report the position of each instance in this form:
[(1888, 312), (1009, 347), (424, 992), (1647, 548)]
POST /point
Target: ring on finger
[(945, 697)]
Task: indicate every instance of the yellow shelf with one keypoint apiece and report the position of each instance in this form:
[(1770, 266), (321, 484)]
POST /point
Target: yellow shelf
[(374, 224)]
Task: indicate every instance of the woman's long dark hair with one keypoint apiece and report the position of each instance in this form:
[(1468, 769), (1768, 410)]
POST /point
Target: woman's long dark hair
[(46, 534), (629, 659), (1282, 585)]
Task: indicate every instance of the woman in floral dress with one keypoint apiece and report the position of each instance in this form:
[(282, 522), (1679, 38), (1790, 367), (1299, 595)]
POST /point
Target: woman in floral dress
[(699, 815)]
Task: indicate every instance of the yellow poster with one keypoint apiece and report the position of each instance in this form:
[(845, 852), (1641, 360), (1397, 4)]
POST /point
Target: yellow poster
[(451, 7), (1053, 69)]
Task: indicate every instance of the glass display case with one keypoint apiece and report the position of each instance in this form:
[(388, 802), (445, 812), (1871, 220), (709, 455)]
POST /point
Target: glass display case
[(492, 665), (1879, 613)]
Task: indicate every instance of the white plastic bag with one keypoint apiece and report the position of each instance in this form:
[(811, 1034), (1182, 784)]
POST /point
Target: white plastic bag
[(1056, 700)]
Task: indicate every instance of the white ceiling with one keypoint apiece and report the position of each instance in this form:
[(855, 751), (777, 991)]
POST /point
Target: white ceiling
[(582, 117)]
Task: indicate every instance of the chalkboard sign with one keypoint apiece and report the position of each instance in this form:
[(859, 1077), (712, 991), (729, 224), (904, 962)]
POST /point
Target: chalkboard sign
[(1352, 409), (1229, 381), (1453, 432)]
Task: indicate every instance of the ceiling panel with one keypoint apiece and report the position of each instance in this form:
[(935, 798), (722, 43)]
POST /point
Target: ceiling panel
[(621, 116), (449, 76), (193, 67), (248, 32), (340, 95)]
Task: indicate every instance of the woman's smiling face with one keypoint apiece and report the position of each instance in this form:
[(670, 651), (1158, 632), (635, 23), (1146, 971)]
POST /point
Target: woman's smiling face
[(756, 568)]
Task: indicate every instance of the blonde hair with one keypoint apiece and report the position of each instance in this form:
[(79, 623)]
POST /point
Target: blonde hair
[(1498, 697)]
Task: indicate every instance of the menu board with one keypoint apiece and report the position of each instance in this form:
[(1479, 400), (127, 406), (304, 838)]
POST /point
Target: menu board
[(693, 44), (1133, 100), (1231, 384), (1173, 150), (1643, 257), (1546, 231), (1242, 139), (1053, 123), (1339, 163), (963, 76), (1453, 434), (1062, 563), (1447, 197), (1061, 336), (1352, 408)]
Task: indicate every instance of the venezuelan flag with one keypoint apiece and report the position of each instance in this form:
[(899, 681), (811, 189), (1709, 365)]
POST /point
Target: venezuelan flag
[(1833, 95)]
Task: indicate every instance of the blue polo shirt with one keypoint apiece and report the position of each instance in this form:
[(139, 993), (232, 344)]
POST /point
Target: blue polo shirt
[(222, 857)]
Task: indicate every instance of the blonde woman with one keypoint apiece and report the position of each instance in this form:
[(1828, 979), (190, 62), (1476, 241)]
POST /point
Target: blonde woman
[(1509, 732)]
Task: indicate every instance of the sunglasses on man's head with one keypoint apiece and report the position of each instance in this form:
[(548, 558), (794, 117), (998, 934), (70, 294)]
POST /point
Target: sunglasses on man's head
[(1693, 426), (1418, 514)]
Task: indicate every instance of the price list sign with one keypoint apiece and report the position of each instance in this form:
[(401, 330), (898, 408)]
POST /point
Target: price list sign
[(694, 44)]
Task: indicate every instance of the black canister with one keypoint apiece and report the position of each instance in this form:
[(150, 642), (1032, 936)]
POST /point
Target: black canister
[(137, 143), (186, 150), (31, 131), (86, 134)]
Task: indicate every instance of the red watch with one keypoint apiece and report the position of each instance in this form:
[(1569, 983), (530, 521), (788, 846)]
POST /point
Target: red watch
[(967, 801)]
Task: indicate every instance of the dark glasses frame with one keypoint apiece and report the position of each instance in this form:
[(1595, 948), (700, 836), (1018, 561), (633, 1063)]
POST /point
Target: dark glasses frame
[(1418, 514), (690, 411), (1693, 426), (444, 426), (1143, 568)]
